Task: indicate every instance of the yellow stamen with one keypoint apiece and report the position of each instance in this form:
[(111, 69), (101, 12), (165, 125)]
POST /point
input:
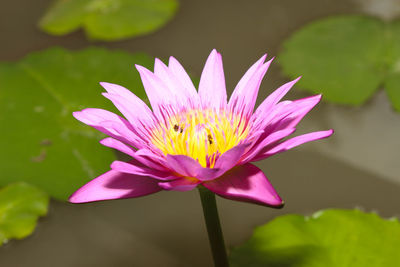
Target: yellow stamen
[(201, 134)]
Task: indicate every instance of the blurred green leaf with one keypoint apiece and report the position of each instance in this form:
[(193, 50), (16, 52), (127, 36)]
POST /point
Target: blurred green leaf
[(108, 19), (392, 81), (41, 143), (346, 58), (330, 238), (20, 206)]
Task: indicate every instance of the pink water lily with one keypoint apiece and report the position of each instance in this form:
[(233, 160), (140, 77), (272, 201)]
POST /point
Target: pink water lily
[(192, 138)]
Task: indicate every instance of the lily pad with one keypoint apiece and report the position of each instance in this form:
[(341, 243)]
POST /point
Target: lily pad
[(346, 58), (20, 207), (330, 238), (41, 143), (108, 19), (392, 81)]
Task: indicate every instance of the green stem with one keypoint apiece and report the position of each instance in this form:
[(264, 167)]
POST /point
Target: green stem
[(214, 230)]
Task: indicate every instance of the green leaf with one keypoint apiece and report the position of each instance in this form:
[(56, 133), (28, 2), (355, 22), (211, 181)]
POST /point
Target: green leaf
[(330, 238), (108, 19), (20, 207), (346, 58), (392, 81), (41, 143)]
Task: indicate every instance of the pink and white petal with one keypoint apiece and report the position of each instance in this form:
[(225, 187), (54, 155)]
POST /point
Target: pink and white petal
[(279, 111), (270, 139), (126, 135), (93, 116), (276, 96), (240, 87), (299, 109), (128, 100), (134, 167), (212, 90), (293, 142), (266, 106), (181, 75), (245, 94), (115, 185), (115, 144), (286, 114), (181, 95), (134, 113), (181, 184), (150, 155), (156, 91), (105, 122), (246, 183)]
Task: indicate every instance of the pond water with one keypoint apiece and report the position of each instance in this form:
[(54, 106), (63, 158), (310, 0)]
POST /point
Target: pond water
[(357, 167)]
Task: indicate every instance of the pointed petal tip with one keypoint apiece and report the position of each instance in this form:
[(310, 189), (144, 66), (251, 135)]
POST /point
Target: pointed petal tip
[(104, 84), (158, 61), (76, 113), (109, 87), (246, 183), (171, 58), (279, 206), (268, 63), (114, 185), (75, 199), (263, 57), (106, 141), (215, 54), (140, 68), (115, 164)]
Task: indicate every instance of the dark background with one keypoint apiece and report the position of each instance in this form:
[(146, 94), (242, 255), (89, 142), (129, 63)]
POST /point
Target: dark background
[(353, 168)]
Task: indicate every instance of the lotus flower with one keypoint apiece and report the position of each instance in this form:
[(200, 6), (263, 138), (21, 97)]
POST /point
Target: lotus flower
[(191, 138)]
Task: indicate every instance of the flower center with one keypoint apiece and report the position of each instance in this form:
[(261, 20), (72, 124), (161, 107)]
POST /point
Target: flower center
[(201, 134)]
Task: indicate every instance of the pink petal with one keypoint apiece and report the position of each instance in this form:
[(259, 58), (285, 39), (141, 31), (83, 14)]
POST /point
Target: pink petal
[(266, 106), (94, 116), (128, 136), (187, 166), (246, 183), (301, 108), (182, 95), (270, 139), (184, 165), (180, 184), (132, 107), (156, 91), (276, 96), (286, 114), (293, 142), (212, 89), (115, 185), (134, 167), (108, 123), (181, 75), (245, 94), (230, 158), (113, 143)]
